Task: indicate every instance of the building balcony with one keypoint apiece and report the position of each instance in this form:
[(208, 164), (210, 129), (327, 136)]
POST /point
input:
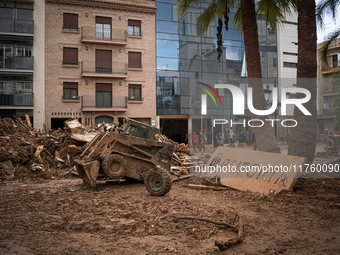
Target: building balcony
[(326, 114), (17, 63), (132, 100), (89, 103), (16, 101), (16, 26), (330, 90), (334, 67), (114, 37), (73, 99), (93, 70), (70, 64)]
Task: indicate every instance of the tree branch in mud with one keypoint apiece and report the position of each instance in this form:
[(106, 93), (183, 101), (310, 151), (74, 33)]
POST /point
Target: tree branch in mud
[(221, 245)]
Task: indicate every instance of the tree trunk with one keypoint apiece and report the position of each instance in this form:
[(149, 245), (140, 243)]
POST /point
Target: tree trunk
[(302, 140), (265, 139)]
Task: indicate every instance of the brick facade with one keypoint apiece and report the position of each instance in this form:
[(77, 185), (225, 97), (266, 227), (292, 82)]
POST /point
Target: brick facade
[(86, 74)]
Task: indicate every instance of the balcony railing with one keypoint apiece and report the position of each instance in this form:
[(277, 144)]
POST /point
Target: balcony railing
[(330, 89), (135, 34), (16, 26), (136, 67), (67, 63), (133, 99), (114, 35), (89, 101), (114, 68), (332, 65), (17, 63), (74, 98), (327, 112), (16, 99)]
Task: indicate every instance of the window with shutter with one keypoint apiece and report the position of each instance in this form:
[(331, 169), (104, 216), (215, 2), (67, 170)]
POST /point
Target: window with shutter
[(103, 61), (70, 21), (70, 90), (135, 59), (70, 56), (103, 94), (134, 27), (135, 92), (103, 28)]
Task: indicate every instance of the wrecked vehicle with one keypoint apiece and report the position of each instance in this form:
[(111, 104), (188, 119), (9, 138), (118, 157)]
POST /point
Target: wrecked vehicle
[(129, 151)]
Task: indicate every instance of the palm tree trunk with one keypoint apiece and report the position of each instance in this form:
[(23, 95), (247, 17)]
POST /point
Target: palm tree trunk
[(302, 140), (265, 139)]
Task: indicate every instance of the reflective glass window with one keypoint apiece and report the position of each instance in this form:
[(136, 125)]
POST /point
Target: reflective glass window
[(166, 48), (167, 63), (231, 34), (234, 53), (231, 43), (164, 11), (193, 65), (167, 1), (167, 27), (166, 36)]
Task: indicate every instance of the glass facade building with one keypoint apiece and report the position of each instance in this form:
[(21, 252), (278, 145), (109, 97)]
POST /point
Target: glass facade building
[(184, 58)]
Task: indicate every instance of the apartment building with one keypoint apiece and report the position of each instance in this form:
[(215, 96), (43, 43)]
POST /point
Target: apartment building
[(99, 61), (328, 88), (16, 58)]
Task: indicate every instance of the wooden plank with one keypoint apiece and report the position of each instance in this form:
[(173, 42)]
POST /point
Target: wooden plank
[(184, 177), (28, 121), (255, 171), (198, 186), (83, 137)]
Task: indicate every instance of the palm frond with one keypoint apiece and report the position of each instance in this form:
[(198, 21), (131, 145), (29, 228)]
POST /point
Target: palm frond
[(288, 5), (219, 39), (226, 17), (323, 51), (237, 20), (324, 8), (206, 18), (216, 9), (183, 5), (274, 11)]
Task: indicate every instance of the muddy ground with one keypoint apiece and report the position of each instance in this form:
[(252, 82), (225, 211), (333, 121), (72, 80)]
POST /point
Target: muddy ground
[(39, 216)]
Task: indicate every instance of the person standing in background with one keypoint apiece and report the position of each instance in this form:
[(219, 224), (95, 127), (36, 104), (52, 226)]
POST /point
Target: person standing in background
[(203, 140), (194, 140)]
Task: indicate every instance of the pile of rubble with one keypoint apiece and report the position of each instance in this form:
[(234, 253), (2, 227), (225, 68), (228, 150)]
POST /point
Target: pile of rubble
[(182, 162), (23, 150), (50, 154)]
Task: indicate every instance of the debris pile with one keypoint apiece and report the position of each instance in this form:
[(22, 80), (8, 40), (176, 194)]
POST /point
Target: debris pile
[(50, 154), (47, 153), (180, 162)]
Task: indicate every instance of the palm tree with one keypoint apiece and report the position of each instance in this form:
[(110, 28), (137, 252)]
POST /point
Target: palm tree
[(302, 140), (265, 139), (246, 18)]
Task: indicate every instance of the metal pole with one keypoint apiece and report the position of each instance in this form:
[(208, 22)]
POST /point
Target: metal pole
[(275, 123)]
